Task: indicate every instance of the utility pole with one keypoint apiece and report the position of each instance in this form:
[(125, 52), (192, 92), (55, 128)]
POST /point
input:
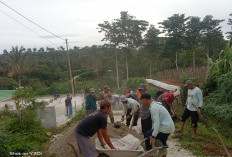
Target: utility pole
[(70, 68)]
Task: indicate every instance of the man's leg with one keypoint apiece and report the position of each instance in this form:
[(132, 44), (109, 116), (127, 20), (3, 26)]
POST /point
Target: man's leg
[(163, 138), (195, 119), (146, 126), (111, 116), (147, 141), (129, 119), (136, 117), (184, 117)]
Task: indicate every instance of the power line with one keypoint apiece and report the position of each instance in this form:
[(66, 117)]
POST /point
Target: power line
[(31, 21), (27, 27)]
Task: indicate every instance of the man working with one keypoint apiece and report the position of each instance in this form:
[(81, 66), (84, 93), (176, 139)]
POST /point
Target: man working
[(130, 106), (194, 104), (106, 94), (91, 99), (167, 98), (94, 122), (163, 125), (146, 121), (67, 104)]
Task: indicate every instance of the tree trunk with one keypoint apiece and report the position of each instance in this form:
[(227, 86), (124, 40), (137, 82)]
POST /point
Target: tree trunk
[(194, 59), (150, 64), (127, 71), (116, 63), (177, 68)]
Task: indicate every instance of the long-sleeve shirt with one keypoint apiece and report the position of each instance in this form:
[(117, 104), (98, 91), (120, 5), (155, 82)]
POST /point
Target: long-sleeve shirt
[(194, 97), (91, 102), (162, 121), (131, 104)]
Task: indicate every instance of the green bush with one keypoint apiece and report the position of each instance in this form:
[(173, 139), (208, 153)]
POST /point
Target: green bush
[(80, 114), (134, 82), (88, 75), (152, 91), (7, 83), (217, 86)]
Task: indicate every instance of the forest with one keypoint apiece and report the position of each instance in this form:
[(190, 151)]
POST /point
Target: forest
[(131, 48)]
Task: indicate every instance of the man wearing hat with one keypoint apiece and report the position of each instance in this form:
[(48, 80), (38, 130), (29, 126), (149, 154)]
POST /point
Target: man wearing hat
[(94, 122), (194, 98), (91, 99), (106, 94), (130, 106)]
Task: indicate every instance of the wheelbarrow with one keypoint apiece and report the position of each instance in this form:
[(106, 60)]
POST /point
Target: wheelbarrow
[(139, 152)]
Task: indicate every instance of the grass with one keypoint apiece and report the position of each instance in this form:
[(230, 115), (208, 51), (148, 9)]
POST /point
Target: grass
[(6, 94), (206, 143)]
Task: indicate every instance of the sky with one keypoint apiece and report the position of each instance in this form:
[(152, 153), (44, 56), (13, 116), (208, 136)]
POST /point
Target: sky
[(77, 20)]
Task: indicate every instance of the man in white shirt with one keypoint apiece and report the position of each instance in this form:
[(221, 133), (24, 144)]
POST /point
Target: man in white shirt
[(193, 106), (162, 126), (130, 106)]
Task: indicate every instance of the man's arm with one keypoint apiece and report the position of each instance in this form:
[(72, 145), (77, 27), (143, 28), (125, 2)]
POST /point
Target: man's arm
[(200, 99), (106, 138), (99, 135)]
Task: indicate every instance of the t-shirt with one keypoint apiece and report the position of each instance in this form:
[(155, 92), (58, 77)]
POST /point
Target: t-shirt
[(91, 124), (68, 101), (169, 98)]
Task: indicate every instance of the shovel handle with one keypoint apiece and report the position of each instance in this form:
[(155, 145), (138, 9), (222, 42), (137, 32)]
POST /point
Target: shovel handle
[(156, 148)]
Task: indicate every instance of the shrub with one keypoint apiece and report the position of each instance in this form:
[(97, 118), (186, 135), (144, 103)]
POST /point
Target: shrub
[(133, 83), (7, 83), (80, 114)]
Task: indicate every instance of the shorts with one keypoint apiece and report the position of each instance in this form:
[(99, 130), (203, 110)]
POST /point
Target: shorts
[(194, 117), (86, 146)]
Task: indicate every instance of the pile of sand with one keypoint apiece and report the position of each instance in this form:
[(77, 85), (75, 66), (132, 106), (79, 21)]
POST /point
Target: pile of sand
[(61, 148)]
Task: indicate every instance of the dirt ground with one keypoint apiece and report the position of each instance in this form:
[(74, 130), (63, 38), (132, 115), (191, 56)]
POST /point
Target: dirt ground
[(61, 148)]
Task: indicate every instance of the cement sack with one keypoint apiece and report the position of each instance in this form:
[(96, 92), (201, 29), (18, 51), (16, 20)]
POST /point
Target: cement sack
[(129, 142), (138, 129)]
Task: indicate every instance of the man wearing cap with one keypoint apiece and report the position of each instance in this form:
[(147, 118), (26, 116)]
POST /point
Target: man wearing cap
[(130, 106), (146, 121), (91, 99), (163, 125), (94, 122), (106, 94), (193, 106)]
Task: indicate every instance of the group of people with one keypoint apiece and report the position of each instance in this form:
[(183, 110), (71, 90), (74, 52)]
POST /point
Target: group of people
[(156, 120)]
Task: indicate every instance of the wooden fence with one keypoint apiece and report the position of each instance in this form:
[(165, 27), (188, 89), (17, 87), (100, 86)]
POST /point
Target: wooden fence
[(173, 74)]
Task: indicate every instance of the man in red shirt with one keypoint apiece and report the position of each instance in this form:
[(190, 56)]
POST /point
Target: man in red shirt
[(167, 99)]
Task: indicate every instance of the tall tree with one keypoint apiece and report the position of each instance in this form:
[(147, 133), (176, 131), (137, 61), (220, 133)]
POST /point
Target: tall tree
[(18, 62), (131, 30), (193, 35), (230, 32), (174, 27), (114, 36), (152, 43), (212, 34)]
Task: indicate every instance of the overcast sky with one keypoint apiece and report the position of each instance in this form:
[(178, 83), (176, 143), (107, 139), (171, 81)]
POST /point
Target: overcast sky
[(77, 20)]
